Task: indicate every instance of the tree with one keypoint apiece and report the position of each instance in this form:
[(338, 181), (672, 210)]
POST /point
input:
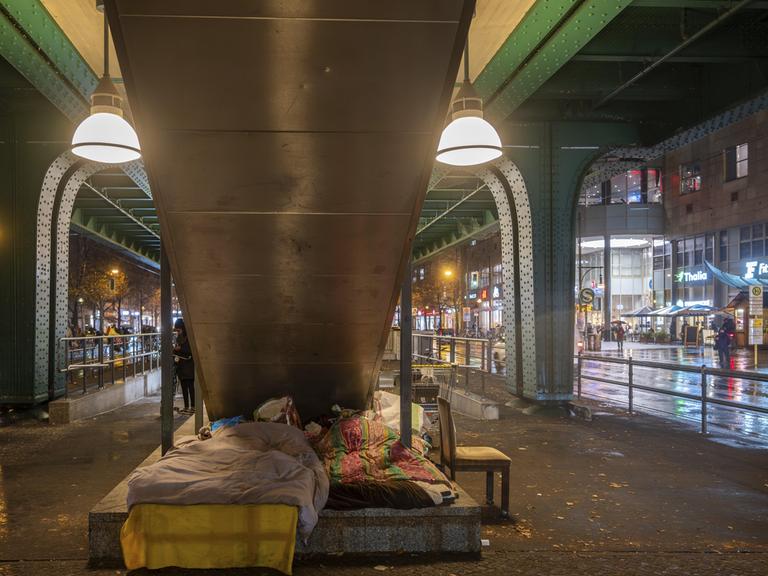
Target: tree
[(120, 288)]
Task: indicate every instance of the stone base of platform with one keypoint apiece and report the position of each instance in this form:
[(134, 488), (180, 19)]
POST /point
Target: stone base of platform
[(444, 529), (79, 406)]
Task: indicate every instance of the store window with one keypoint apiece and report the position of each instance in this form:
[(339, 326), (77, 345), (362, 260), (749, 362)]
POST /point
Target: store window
[(690, 178), (634, 187), (653, 185), (736, 162)]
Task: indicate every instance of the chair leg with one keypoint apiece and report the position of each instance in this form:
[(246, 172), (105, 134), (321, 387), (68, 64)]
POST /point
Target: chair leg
[(505, 492), (489, 487)]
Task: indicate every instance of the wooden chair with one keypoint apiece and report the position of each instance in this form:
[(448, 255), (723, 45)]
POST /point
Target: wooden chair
[(472, 458)]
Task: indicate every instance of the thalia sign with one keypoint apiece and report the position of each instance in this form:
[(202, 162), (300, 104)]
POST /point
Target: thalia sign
[(682, 276)]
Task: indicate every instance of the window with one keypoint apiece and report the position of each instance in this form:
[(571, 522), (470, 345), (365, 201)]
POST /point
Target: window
[(690, 178), (653, 184), (709, 247), (752, 241), (745, 244), (724, 246), (736, 162), (634, 187)]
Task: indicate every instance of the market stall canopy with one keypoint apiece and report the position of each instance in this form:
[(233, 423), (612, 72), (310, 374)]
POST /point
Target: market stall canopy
[(643, 311), (667, 311), (697, 310)]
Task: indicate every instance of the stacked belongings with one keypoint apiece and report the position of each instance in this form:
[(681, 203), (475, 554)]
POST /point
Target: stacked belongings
[(369, 467)]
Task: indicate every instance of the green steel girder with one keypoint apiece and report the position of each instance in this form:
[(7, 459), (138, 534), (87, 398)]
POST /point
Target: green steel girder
[(32, 41), (579, 27), (29, 61), (32, 17), (107, 233), (700, 4), (465, 233), (537, 23)]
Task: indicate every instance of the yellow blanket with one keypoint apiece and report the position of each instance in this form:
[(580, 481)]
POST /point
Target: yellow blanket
[(210, 536)]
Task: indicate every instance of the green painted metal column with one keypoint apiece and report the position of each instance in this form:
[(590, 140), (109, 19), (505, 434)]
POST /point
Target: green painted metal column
[(553, 159), (32, 134)]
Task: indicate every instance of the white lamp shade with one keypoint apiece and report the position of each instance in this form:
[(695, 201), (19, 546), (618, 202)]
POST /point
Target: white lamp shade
[(106, 137), (468, 141)]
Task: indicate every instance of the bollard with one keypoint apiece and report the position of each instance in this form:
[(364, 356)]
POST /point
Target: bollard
[(101, 363), (703, 399), (578, 376), (467, 352), (629, 382), (466, 377)]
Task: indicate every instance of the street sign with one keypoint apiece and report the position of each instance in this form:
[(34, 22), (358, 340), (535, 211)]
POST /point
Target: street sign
[(587, 296), (756, 301), (756, 330)]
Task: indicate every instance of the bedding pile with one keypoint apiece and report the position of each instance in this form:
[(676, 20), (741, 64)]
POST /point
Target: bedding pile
[(250, 463), (369, 467)]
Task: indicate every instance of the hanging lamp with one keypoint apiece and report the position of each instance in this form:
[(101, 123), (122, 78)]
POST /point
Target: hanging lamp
[(105, 136), (469, 139)]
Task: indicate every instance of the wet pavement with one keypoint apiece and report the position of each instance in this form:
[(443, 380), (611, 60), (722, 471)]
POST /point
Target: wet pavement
[(751, 426), (628, 495)]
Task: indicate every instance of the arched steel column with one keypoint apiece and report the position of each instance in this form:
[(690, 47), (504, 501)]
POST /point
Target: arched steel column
[(511, 196), (60, 187)]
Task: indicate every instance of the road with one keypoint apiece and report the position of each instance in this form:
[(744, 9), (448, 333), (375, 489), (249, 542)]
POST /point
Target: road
[(752, 425)]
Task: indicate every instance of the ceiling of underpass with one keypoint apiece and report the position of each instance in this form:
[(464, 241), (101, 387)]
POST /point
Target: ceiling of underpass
[(531, 60)]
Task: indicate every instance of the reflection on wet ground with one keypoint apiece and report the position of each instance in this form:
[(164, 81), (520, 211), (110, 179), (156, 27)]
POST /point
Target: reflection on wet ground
[(752, 425)]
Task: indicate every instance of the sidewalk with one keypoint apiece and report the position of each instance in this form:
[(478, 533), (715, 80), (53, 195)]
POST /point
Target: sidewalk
[(618, 495)]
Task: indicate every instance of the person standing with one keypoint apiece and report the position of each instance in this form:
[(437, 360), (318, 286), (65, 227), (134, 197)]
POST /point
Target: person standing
[(620, 333), (723, 347), (185, 366)]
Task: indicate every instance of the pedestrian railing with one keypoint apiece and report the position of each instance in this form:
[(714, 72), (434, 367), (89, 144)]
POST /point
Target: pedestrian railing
[(454, 348), (92, 359), (703, 372)]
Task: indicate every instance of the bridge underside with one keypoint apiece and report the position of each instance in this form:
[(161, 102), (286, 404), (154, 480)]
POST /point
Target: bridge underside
[(288, 154)]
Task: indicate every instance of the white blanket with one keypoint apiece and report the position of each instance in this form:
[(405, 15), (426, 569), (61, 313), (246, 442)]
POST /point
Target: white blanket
[(251, 463)]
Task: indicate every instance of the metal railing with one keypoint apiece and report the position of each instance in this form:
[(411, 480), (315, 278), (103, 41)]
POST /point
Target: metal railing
[(453, 346), (703, 371), (87, 358)]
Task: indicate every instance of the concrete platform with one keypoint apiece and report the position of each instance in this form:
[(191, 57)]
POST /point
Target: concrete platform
[(440, 530), (112, 397)]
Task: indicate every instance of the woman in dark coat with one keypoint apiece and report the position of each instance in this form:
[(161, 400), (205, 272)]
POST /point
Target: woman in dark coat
[(185, 365)]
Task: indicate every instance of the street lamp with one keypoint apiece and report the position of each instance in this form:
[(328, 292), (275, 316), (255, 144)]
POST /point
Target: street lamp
[(105, 136), (469, 139), (114, 271)]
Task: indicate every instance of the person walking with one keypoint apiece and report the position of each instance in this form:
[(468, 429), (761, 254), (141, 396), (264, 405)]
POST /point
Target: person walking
[(723, 347), (620, 334), (185, 366)]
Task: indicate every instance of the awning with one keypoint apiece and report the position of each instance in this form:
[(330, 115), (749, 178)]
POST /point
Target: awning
[(696, 310), (668, 311), (643, 311), (732, 279)]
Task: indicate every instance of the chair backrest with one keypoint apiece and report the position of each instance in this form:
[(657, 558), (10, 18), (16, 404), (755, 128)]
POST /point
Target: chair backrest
[(447, 433)]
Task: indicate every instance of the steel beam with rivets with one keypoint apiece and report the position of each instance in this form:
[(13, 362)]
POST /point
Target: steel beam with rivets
[(34, 44), (579, 26)]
